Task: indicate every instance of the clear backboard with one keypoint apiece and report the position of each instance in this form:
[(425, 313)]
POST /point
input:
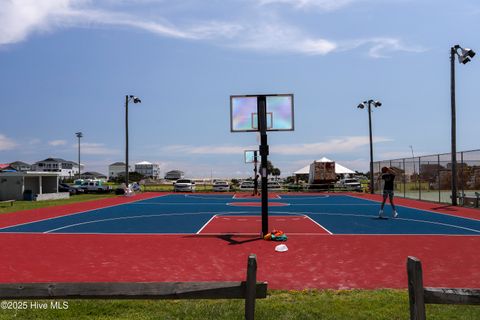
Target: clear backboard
[(250, 156), (244, 117)]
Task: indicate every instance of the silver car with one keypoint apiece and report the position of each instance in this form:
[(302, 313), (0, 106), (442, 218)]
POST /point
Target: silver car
[(184, 185), (220, 186)]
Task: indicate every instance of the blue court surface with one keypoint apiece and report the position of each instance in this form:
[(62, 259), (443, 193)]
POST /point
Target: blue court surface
[(188, 214)]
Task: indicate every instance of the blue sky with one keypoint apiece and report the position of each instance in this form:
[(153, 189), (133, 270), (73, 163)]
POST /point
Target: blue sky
[(66, 66)]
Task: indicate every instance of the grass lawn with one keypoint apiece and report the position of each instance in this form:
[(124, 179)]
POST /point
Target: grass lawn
[(324, 304), (26, 205)]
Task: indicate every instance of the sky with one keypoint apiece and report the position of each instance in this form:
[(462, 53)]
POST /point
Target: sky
[(66, 66)]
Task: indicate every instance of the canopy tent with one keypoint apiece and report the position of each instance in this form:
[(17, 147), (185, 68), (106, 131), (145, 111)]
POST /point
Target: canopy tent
[(339, 169)]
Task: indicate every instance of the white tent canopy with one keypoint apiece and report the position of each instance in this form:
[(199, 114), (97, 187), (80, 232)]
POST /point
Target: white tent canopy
[(339, 169)]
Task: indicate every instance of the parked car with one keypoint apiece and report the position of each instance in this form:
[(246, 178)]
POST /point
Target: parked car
[(272, 185), (248, 185), (63, 187), (95, 186), (351, 184), (220, 185), (184, 185)]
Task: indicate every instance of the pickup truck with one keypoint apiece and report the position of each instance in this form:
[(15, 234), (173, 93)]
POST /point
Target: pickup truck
[(95, 186)]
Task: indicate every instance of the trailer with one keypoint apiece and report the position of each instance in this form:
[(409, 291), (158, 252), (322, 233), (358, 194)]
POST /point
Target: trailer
[(322, 175)]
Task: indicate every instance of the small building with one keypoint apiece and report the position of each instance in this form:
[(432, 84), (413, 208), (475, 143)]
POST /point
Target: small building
[(93, 175), (117, 169), (30, 186), (174, 175), (65, 168), (148, 169), (21, 166)]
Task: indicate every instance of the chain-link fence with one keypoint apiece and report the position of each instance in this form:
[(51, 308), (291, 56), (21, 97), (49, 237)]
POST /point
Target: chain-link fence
[(430, 177)]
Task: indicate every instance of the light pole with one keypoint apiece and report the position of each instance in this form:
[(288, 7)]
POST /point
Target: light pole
[(464, 56), (128, 98), (368, 104), (414, 171), (79, 135)]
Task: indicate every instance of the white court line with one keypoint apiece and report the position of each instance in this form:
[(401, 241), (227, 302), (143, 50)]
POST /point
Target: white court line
[(233, 213), (126, 218), (222, 234), (426, 210), (207, 197), (318, 224), (235, 204), (330, 204), (404, 219), (252, 197), (205, 224), (182, 203), (74, 213), (288, 196)]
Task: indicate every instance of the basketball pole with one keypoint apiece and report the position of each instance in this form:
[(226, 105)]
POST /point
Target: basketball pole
[(262, 128), (255, 173)]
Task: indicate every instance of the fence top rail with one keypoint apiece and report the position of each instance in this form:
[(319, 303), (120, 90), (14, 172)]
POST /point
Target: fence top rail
[(425, 156), (131, 290)]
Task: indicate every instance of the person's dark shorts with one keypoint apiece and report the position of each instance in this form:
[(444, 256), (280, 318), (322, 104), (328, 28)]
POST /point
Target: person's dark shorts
[(388, 193)]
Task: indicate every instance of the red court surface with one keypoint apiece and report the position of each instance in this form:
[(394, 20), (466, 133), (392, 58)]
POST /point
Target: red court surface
[(252, 224), (312, 261)]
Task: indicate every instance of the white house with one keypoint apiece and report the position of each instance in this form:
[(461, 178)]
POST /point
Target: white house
[(116, 169), (148, 169), (65, 168)]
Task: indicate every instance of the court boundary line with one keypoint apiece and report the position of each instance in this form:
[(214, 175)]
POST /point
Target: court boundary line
[(409, 207), (74, 213), (318, 224), (222, 234), (253, 197), (206, 223), (403, 219)]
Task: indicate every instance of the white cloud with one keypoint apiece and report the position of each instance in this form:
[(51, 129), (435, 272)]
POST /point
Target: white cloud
[(19, 19), (6, 143), (57, 143), (337, 145), (97, 149), (380, 47), (325, 5)]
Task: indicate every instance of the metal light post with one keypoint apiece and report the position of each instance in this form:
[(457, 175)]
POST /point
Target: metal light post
[(464, 56), (128, 98), (368, 104), (414, 170), (79, 135)]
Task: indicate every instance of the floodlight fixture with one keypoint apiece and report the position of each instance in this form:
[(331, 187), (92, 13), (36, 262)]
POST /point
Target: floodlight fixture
[(464, 56), (368, 104), (135, 99)]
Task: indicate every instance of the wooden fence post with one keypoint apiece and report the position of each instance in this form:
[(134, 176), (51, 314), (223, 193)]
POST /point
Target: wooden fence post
[(415, 289), (251, 287)]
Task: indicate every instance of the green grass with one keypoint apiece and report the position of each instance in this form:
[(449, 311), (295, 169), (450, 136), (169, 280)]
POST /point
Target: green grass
[(26, 205), (324, 304)]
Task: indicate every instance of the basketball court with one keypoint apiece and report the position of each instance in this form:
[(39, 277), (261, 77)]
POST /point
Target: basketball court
[(335, 241)]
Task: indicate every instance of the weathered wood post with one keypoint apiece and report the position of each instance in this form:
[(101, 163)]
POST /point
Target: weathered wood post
[(415, 289), (251, 287)]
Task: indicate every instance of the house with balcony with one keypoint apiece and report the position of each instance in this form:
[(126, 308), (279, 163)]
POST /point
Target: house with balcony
[(117, 169), (65, 168), (148, 169)]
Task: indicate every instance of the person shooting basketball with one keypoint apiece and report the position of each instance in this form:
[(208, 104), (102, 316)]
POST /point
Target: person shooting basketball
[(388, 175)]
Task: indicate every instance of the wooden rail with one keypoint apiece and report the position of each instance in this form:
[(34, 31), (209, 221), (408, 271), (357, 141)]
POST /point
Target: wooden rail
[(249, 290), (419, 295)]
